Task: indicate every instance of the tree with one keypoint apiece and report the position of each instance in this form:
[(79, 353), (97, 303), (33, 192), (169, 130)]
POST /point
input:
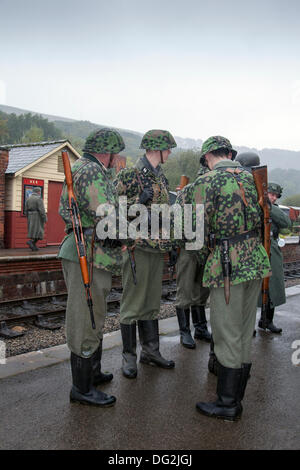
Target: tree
[(4, 133), (34, 134), (292, 201)]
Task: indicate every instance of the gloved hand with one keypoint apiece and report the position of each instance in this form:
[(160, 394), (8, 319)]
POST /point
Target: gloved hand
[(146, 195), (173, 255)]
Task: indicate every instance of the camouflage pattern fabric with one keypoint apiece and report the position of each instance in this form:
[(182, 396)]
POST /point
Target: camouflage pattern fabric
[(92, 187), (215, 143), (275, 188), (226, 216), (157, 139), (130, 182), (104, 141)]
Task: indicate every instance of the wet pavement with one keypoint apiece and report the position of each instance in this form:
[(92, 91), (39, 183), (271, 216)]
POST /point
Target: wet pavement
[(157, 410)]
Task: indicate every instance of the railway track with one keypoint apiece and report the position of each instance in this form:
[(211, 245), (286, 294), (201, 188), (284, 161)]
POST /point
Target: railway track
[(48, 311)]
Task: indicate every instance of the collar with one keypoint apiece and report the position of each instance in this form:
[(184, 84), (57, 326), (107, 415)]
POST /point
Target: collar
[(145, 166), (227, 164), (90, 157)]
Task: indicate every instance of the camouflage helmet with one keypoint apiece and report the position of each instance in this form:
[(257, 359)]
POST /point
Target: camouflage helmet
[(104, 141), (215, 143), (157, 139), (248, 160), (275, 188)]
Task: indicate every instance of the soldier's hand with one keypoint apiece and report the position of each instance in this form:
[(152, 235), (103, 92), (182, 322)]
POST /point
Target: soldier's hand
[(146, 196)]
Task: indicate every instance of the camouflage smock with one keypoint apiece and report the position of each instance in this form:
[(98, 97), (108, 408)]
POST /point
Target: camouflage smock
[(226, 216), (131, 182), (92, 187)]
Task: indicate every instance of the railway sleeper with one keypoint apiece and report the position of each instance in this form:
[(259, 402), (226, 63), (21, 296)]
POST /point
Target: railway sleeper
[(7, 332)]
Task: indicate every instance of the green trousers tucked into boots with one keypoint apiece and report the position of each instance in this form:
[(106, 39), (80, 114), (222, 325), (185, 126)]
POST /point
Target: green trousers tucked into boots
[(269, 324), (230, 393), (128, 333), (83, 390), (149, 339), (183, 316), (233, 324), (200, 323)]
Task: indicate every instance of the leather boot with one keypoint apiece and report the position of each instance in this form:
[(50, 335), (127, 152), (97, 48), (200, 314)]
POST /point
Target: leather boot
[(200, 323), (228, 404), (82, 389), (244, 380), (270, 325), (213, 360), (98, 376), (186, 339), (149, 339), (129, 367), (35, 240), (31, 245)]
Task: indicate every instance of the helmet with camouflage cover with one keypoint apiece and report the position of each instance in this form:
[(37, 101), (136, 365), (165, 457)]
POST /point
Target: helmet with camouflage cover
[(104, 141), (248, 160), (157, 139), (215, 143), (275, 188)]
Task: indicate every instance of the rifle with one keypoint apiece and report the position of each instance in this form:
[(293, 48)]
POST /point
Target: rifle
[(260, 176), (78, 233), (184, 180)]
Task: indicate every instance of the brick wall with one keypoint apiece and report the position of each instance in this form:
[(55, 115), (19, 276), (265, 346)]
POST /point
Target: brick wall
[(4, 156)]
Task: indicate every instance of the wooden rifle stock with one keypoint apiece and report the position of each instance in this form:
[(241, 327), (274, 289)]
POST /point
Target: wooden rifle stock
[(184, 180), (78, 233), (260, 175)]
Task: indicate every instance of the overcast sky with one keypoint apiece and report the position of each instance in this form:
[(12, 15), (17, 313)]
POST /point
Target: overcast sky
[(194, 67)]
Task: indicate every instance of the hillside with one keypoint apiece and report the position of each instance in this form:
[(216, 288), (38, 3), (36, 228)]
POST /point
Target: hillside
[(77, 131)]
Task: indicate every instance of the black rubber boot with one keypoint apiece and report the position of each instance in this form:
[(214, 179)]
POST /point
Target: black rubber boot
[(200, 323), (186, 339), (149, 339), (228, 404), (213, 360), (82, 390), (270, 325), (129, 367), (244, 379), (98, 376)]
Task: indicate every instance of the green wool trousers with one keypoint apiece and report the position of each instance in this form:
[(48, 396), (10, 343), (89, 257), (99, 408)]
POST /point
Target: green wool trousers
[(233, 324), (142, 301), (82, 340), (189, 274)]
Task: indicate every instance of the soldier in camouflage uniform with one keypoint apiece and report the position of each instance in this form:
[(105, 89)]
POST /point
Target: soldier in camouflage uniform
[(190, 293), (144, 184), (231, 212), (92, 187), (276, 287)]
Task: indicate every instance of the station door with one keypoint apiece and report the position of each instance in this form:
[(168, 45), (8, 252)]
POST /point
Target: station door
[(55, 224)]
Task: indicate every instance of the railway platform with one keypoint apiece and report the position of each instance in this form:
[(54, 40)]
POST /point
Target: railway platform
[(156, 411)]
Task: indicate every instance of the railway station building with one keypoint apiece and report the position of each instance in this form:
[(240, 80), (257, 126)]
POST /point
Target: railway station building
[(22, 167)]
